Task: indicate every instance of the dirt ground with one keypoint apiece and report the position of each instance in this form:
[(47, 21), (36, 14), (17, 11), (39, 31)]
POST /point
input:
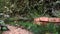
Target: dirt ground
[(15, 30)]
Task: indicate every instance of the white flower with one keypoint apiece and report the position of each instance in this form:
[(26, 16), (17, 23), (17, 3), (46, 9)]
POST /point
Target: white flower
[(5, 7), (6, 16), (1, 13), (12, 5), (57, 1)]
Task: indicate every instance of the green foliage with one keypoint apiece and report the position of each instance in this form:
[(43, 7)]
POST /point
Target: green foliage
[(25, 8), (29, 9), (51, 27), (4, 28)]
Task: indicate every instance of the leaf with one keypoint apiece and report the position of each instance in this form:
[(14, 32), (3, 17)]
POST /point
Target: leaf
[(4, 28)]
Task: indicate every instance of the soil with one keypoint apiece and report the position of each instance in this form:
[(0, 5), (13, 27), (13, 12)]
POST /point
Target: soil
[(15, 30)]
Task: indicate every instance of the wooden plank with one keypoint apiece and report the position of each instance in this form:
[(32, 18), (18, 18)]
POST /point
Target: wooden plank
[(46, 19)]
